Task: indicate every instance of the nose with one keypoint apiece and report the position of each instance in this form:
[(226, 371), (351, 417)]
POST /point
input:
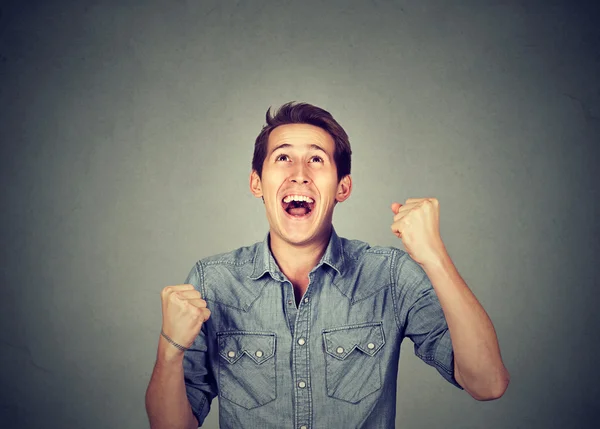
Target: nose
[(299, 175)]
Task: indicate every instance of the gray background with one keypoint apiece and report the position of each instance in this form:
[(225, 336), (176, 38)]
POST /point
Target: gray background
[(127, 133)]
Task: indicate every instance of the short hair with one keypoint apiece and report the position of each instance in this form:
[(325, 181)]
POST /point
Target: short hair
[(304, 113)]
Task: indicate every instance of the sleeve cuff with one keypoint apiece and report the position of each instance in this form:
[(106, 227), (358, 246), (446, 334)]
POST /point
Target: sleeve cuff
[(200, 406), (443, 360)]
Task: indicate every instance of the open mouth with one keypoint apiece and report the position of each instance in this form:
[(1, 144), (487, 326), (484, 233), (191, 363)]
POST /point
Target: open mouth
[(298, 206)]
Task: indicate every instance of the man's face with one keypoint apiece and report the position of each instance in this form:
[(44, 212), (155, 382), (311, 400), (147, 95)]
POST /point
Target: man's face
[(299, 183)]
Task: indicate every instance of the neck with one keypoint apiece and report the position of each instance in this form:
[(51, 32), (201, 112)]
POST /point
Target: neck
[(298, 260)]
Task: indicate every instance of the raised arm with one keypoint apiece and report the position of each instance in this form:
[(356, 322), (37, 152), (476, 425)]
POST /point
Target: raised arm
[(167, 404), (478, 365)]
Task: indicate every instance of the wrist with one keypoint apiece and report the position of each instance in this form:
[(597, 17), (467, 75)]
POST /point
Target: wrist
[(438, 263), (167, 353)]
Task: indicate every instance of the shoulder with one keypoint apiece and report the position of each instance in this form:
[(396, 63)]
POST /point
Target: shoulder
[(237, 257), (395, 263), (226, 277), (237, 263), (360, 251)]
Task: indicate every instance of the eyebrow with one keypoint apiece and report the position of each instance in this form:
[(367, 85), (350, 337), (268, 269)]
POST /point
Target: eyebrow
[(287, 145)]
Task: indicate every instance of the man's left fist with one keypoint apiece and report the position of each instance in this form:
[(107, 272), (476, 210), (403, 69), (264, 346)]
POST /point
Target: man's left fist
[(417, 224)]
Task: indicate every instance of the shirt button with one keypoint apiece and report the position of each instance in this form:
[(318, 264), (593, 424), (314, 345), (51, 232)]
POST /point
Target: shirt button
[(340, 350), (301, 341), (303, 427), (258, 353), (290, 302), (302, 385), (371, 346), (305, 300), (231, 354)]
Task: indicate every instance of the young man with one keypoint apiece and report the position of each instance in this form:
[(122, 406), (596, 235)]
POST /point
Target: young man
[(303, 330)]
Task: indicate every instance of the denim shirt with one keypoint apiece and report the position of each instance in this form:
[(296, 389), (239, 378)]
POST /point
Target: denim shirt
[(329, 362)]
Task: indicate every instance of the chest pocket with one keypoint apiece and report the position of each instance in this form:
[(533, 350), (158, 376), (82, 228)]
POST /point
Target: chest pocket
[(247, 368), (352, 360)]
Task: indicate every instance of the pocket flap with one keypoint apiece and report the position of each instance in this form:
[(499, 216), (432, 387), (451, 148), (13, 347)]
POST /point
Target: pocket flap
[(340, 342), (259, 346)]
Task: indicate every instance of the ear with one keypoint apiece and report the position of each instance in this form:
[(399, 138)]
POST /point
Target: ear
[(344, 189), (255, 184)]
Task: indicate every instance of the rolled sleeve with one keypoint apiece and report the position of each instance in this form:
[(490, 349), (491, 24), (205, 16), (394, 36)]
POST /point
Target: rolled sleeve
[(421, 317), (200, 384)]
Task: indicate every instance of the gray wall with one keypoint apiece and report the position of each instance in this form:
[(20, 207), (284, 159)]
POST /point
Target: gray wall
[(126, 139)]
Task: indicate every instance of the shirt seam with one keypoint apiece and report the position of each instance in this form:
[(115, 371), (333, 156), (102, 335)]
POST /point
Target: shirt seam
[(227, 262), (394, 283), (200, 272)]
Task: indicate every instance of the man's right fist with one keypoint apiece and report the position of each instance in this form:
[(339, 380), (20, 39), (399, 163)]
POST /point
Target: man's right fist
[(184, 311)]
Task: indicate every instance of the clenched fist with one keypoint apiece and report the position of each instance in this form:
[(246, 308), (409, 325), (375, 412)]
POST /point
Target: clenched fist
[(417, 223), (184, 311)]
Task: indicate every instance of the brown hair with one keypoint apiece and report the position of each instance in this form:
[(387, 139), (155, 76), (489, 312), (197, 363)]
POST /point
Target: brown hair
[(304, 113)]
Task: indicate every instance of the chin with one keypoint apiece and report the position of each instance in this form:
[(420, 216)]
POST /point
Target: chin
[(298, 238)]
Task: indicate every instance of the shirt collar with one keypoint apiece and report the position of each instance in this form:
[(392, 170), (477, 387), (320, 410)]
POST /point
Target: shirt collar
[(265, 262)]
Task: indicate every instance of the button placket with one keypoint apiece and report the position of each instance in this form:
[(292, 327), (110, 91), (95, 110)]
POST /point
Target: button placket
[(290, 309), (301, 365)]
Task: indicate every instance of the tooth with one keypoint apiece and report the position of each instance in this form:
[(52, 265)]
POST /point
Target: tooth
[(290, 198)]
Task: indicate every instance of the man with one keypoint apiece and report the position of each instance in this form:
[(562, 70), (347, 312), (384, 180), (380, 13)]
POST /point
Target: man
[(304, 329)]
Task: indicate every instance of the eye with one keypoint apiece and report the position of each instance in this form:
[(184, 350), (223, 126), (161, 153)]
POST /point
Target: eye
[(317, 158), (282, 157)]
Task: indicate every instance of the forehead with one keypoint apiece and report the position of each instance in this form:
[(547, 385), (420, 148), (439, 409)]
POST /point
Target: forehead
[(300, 136)]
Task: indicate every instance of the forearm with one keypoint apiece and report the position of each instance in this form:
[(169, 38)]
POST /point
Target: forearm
[(478, 363), (167, 404)]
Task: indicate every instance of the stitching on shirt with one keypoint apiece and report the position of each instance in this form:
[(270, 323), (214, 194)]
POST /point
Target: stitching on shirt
[(226, 262), (200, 272), (354, 325), (381, 250), (374, 292), (238, 332), (394, 282), (245, 310)]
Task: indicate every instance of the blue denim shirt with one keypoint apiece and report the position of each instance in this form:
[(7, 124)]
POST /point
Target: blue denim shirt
[(330, 362)]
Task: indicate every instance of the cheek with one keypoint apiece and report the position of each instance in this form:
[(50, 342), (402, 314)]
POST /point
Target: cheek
[(327, 185)]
